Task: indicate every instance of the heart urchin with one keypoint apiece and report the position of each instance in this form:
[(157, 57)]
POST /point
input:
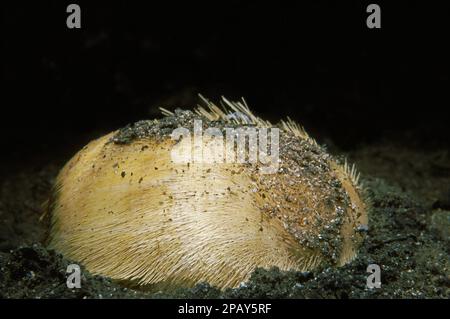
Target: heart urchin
[(125, 209)]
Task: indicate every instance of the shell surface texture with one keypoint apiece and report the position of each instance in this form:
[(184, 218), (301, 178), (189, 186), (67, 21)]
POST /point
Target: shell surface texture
[(125, 209)]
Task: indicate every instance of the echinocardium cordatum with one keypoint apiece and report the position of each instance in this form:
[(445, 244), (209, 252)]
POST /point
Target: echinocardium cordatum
[(125, 209)]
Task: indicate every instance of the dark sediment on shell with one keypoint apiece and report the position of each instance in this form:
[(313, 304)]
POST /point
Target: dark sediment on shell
[(303, 163), (160, 127)]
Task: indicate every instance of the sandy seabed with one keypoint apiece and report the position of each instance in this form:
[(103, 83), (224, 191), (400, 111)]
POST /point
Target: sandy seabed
[(408, 237)]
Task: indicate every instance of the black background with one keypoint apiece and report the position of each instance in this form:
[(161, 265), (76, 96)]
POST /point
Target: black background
[(281, 308), (314, 61)]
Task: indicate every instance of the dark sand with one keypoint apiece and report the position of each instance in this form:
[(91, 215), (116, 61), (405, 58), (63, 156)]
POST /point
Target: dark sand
[(408, 237)]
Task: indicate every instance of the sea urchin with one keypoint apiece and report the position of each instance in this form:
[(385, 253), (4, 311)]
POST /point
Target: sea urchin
[(125, 209)]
